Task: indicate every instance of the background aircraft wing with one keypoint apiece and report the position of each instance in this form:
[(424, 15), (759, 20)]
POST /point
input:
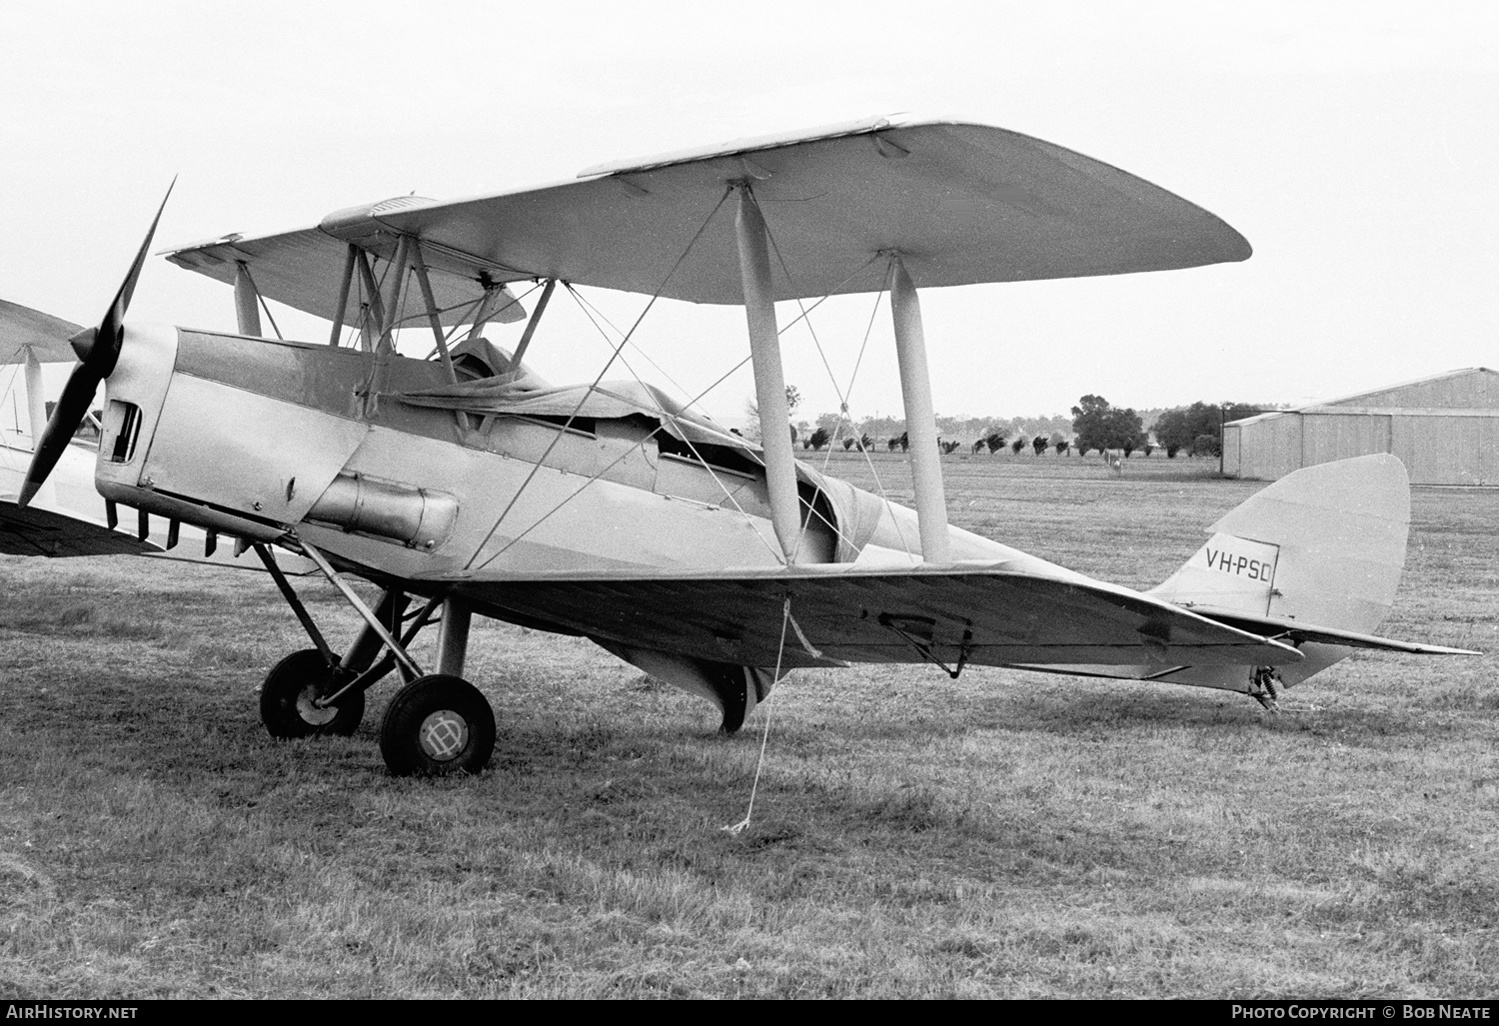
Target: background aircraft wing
[(963, 203), (977, 612), (46, 335), (35, 531)]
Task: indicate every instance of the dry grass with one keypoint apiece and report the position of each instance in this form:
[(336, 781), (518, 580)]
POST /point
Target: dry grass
[(1007, 834)]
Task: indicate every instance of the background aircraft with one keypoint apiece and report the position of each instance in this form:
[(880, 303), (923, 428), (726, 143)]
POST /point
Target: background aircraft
[(463, 483)]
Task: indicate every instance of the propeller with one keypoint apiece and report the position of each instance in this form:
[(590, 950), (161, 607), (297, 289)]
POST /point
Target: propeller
[(98, 350)]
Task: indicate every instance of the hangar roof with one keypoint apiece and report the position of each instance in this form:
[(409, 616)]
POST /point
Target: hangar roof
[(1469, 391)]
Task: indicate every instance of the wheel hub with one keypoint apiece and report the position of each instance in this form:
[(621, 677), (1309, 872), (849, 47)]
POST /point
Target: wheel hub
[(310, 711), (443, 735)]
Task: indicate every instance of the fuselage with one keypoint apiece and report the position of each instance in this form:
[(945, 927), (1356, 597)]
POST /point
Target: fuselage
[(272, 441)]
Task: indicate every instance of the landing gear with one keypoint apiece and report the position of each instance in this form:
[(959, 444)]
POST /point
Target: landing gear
[(436, 726), (289, 698)]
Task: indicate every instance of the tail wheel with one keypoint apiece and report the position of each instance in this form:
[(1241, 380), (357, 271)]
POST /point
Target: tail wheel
[(437, 726), (288, 699)]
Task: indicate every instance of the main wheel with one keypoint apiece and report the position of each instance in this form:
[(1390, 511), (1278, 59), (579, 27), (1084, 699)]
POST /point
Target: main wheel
[(435, 726), (293, 686)]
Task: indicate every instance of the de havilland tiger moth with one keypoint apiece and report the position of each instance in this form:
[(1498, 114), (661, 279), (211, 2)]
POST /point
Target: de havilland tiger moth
[(464, 484)]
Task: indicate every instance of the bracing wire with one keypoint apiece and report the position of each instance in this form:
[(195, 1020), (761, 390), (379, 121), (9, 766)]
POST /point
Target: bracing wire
[(844, 394), (640, 445), (595, 383), (674, 419), (472, 307), (9, 392), (588, 311)]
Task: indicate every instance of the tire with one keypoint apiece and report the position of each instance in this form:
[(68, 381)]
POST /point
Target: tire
[(289, 690), (437, 726)]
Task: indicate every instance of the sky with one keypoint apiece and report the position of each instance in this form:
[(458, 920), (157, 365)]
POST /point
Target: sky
[(1353, 144)]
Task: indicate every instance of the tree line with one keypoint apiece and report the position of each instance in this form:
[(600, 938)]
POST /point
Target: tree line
[(1095, 425)]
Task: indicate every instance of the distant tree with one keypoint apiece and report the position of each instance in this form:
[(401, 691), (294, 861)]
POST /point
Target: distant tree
[(947, 447), (1185, 426), (905, 441), (866, 443), (978, 447), (836, 424), (995, 440), (820, 438), (848, 443), (1040, 444), (893, 444), (1017, 445), (1098, 425), (1090, 422), (1177, 429), (1061, 445), (752, 412)]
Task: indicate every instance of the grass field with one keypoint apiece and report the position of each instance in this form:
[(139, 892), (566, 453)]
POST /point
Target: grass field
[(1008, 834)]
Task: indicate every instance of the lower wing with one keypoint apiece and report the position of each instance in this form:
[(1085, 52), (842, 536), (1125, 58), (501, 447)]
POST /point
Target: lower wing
[(984, 614)]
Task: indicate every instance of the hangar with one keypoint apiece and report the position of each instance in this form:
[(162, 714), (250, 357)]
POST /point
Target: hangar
[(1445, 429)]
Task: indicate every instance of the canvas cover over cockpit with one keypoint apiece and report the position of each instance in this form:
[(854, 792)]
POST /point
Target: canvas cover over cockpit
[(855, 514)]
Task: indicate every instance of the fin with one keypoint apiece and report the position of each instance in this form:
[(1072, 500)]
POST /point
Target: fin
[(1324, 545), (1315, 558)]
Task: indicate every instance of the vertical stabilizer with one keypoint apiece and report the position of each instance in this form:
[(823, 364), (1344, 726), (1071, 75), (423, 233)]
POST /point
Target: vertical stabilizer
[(1324, 545)]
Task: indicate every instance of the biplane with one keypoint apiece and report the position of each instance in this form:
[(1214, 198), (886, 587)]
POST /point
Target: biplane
[(464, 484)]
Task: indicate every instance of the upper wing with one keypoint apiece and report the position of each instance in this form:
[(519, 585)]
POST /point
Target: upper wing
[(46, 335), (305, 269), (978, 613), (963, 203)]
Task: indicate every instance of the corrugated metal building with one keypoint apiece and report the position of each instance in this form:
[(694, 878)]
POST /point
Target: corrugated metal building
[(1445, 429)]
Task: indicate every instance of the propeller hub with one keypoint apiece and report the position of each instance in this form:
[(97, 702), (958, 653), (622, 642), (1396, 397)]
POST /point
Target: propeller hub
[(83, 343)]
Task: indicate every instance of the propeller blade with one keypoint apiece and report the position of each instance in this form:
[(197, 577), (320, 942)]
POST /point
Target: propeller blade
[(104, 348), (98, 350)]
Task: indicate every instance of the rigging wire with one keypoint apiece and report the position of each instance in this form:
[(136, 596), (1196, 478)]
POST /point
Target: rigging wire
[(640, 445), (590, 310), (675, 420), (594, 385), (843, 395), (9, 392), (269, 316)]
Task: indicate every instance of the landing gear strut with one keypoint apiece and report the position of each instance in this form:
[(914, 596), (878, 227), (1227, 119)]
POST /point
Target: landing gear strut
[(437, 724)]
